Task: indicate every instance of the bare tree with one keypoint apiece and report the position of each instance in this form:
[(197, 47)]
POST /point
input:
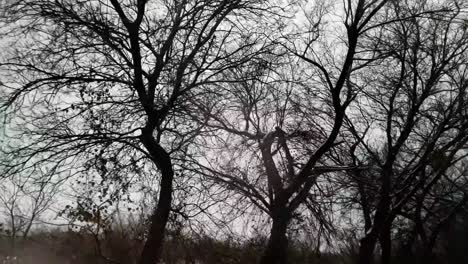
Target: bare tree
[(101, 86), (431, 211), (410, 128), (272, 131), (23, 201), (226, 109)]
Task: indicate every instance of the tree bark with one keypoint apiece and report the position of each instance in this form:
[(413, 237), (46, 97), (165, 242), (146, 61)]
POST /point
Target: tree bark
[(386, 245), (366, 248), (152, 249), (276, 250)]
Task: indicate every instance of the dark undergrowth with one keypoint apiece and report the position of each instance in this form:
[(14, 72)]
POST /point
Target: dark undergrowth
[(72, 247)]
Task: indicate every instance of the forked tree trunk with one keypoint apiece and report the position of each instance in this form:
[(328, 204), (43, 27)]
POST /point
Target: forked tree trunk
[(276, 249), (151, 253)]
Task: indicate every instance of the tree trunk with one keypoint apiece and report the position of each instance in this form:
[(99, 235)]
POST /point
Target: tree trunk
[(386, 245), (276, 250), (151, 253), (366, 248)]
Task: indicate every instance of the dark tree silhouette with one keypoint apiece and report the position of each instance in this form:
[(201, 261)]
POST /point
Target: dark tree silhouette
[(226, 109), (108, 82), (416, 102), (277, 125)]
